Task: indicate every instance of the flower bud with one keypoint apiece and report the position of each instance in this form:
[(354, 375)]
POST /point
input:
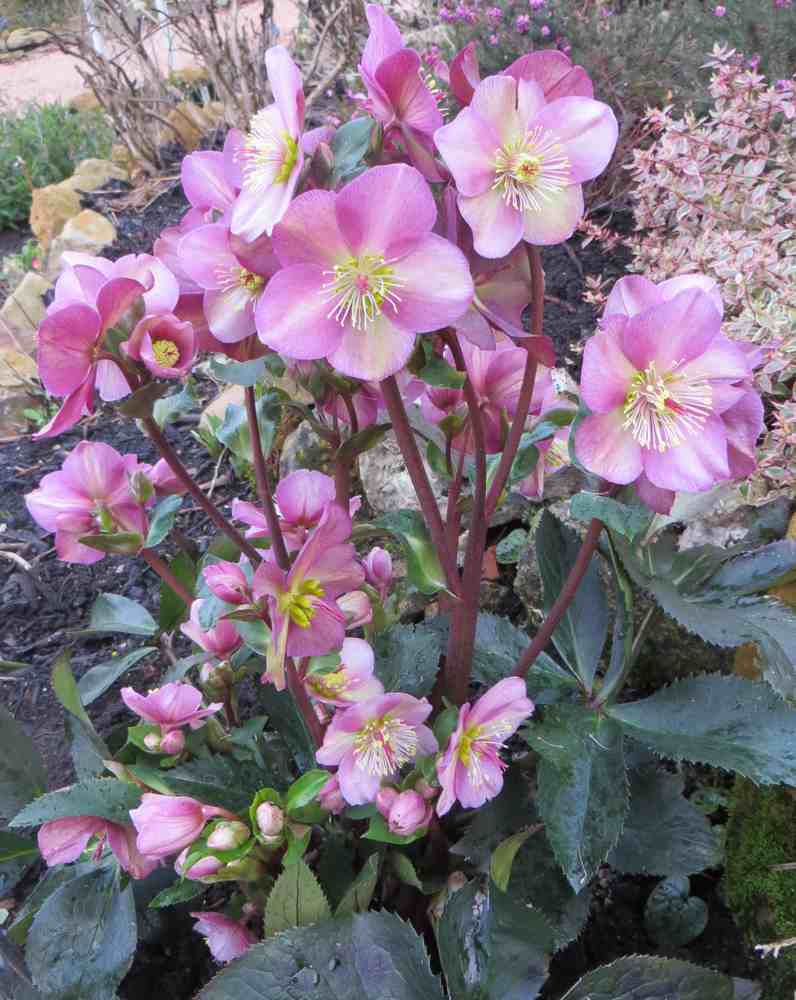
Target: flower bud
[(428, 791), (270, 819), (247, 869), (356, 607), (378, 569), (202, 869), (228, 582), (385, 798), (215, 676), (228, 835), (408, 813), (152, 742), (322, 164), (172, 742), (331, 798), (141, 487)]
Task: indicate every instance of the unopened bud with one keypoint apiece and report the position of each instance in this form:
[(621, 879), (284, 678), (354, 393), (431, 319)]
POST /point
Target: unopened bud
[(152, 742), (141, 487), (203, 869), (456, 881), (385, 798), (215, 675), (173, 742), (330, 797), (426, 790), (228, 835), (270, 819), (322, 164)]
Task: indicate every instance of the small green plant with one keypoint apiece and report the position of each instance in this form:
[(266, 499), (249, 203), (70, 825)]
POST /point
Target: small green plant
[(27, 258), (42, 145)]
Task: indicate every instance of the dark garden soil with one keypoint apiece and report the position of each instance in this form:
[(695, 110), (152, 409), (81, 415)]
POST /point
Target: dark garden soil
[(42, 614)]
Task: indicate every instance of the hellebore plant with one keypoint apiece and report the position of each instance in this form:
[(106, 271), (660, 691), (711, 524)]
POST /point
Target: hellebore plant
[(349, 731)]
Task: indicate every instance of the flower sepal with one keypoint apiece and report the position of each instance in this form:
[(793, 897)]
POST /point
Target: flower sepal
[(268, 840), (119, 543)]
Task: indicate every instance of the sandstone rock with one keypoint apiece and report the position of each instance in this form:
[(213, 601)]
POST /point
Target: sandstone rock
[(89, 232), (51, 208), (15, 368), (92, 174), (387, 484), (303, 449), (191, 122), (22, 312), (86, 100), (218, 406), (26, 38)]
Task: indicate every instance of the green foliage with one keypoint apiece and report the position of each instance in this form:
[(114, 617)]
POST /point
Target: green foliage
[(22, 774), (672, 916), (115, 613), (42, 145), (644, 977), (219, 781), (97, 680), (296, 900), (407, 658), (358, 896), (424, 570), (104, 797)]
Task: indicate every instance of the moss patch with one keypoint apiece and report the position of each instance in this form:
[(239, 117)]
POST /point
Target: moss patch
[(761, 832)]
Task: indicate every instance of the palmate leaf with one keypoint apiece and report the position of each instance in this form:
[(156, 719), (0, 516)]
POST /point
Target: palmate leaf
[(364, 955), (647, 977), (296, 900), (105, 797), (22, 774), (407, 658), (672, 916), (726, 722)]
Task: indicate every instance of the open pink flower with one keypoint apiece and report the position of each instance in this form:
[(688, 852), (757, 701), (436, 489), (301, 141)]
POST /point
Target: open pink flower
[(273, 152), (363, 274), (62, 841), (519, 162), (221, 640), (496, 376), (398, 95), (171, 706), (352, 681), (168, 823), (305, 618), (233, 275), (551, 69), (373, 740), (164, 344), (91, 494), (83, 278), (165, 482), (553, 451), (672, 408), (470, 769), (226, 938)]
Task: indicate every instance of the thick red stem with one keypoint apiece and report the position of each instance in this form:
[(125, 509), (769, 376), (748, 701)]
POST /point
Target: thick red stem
[(157, 564), (263, 485)]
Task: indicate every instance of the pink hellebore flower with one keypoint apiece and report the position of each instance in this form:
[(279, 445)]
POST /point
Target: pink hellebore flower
[(465, 74), (351, 682), (164, 345), (305, 618), (405, 812), (228, 582), (163, 479), (84, 277), (233, 275), (363, 274), (356, 608), (171, 706), (378, 570), (301, 498), (212, 180), (470, 770), (553, 451), (226, 938), (201, 870), (371, 741), (672, 408), (221, 640), (273, 152), (62, 841), (91, 494), (168, 823), (519, 162), (367, 402), (331, 798), (398, 94)]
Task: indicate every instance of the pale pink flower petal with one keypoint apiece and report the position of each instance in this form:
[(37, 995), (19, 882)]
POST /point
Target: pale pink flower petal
[(606, 448), (62, 841), (606, 372), (497, 227), (226, 938), (556, 219), (694, 465), (673, 332), (293, 316), (380, 350), (468, 147), (588, 131)]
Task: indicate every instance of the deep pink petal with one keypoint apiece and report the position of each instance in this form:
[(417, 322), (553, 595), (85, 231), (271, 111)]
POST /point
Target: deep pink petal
[(465, 74), (588, 131), (606, 373), (115, 298), (259, 257), (122, 841), (324, 635), (654, 497), (76, 405), (205, 181), (743, 425), (206, 256), (554, 73), (292, 315), (230, 314), (98, 469), (65, 343), (384, 38), (695, 465), (385, 209), (381, 349), (309, 233), (468, 148), (605, 448), (412, 101), (673, 332), (556, 219), (497, 227), (302, 495), (285, 80), (437, 287)]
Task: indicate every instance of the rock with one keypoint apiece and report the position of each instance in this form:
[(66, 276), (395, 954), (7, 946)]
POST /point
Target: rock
[(192, 122), (15, 368), (26, 38), (86, 100), (303, 449), (51, 208), (218, 406), (92, 174), (22, 312), (89, 232), (385, 480)]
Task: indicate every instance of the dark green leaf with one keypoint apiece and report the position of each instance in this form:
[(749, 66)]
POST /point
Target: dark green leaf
[(424, 570), (171, 407), (286, 719), (173, 609), (22, 774), (753, 572), (647, 977), (162, 520), (12, 846), (296, 900), (580, 636), (234, 432), (97, 680), (11, 666), (335, 866), (65, 687), (407, 658), (304, 791), (115, 613), (350, 144), (672, 916), (180, 892), (663, 833), (142, 402), (362, 441), (82, 941), (219, 781), (727, 722), (582, 787), (495, 821), (509, 549), (630, 521), (402, 867), (525, 461), (86, 748), (104, 797), (357, 897), (364, 955)]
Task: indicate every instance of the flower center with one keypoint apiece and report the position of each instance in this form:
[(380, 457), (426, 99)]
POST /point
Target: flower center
[(239, 277), (383, 745), (359, 288), (166, 352), (329, 685), (661, 411), (480, 743), (298, 604), (529, 170), (269, 155)]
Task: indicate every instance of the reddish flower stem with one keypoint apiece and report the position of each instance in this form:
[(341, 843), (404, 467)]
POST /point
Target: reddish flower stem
[(342, 483), (261, 478), (564, 599), (526, 390), (417, 472), (461, 640), (157, 564), (296, 687), (192, 487)]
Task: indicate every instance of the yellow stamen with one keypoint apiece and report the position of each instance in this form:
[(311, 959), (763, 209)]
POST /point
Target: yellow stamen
[(359, 289), (661, 411), (530, 169), (166, 352), (297, 603)]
